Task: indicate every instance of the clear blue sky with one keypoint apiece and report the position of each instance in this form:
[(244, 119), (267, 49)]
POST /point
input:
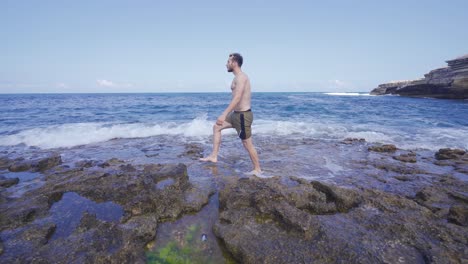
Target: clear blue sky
[(182, 46)]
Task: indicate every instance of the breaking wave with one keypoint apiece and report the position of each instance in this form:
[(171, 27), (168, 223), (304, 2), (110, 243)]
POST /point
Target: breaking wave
[(75, 134)]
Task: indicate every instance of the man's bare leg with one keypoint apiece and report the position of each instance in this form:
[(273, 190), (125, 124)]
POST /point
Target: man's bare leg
[(213, 157), (253, 156)]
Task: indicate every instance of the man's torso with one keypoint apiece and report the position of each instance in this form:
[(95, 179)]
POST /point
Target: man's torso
[(244, 103)]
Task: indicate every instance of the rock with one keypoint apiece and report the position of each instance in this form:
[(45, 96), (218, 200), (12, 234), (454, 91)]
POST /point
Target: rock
[(7, 182), (409, 157), (126, 205), (48, 162), (404, 178), (41, 164), (103, 242), (353, 140), (263, 221), (398, 168), (458, 214), (113, 161), (194, 151), (21, 242), (383, 148), (20, 166), (442, 202), (447, 153), (462, 168), (430, 195), (463, 197), (5, 162), (446, 83), (86, 163)]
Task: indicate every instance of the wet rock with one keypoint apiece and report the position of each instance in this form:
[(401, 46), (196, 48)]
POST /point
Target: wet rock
[(21, 213), (7, 182), (403, 178), (343, 199), (409, 157), (463, 197), (127, 168), (86, 163), (263, 221), (23, 241), (194, 151), (353, 140), (462, 168), (19, 166), (5, 162), (383, 148), (458, 214), (48, 163), (447, 153), (113, 161), (102, 241), (142, 227), (41, 164), (398, 168), (432, 198), (133, 189)]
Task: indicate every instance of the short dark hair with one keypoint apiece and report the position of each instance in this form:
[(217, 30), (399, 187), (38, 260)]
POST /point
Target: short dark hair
[(237, 58)]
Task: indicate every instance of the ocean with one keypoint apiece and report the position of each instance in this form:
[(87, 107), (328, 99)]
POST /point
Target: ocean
[(51, 121)]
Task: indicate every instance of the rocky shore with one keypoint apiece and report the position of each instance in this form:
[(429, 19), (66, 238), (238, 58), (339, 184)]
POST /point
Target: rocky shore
[(95, 212), (396, 206), (450, 82)]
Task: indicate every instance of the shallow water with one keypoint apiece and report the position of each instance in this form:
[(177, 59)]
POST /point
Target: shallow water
[(27, 181), (190, 239), (68, 212)]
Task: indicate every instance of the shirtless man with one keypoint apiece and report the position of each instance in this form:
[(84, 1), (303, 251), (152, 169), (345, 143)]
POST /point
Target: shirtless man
[(237, 115)]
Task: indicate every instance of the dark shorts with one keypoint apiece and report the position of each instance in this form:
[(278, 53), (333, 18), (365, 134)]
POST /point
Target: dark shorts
[(242, 122)]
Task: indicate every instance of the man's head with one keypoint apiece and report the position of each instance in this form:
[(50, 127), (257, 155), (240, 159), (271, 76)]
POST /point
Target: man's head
[(235, 60)]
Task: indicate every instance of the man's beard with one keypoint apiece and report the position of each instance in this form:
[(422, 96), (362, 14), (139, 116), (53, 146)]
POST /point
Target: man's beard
[(229, 69)]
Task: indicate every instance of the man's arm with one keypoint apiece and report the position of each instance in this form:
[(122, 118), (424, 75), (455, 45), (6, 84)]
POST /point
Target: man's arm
[(236, 97)]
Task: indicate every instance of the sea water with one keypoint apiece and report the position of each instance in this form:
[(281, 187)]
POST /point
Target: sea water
[(48, 121)]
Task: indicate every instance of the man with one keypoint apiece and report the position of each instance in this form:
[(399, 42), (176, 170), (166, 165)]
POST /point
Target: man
[(237, 115)]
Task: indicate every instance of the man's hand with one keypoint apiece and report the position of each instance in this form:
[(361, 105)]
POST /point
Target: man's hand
[(221, 120)]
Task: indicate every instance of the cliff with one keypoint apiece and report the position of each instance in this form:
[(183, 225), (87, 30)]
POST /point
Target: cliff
[(450, 82)]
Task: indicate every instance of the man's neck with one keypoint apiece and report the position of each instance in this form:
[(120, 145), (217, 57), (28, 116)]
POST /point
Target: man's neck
[(237, 71)]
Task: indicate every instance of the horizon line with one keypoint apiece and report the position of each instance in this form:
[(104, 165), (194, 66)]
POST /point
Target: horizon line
[(19, 93)]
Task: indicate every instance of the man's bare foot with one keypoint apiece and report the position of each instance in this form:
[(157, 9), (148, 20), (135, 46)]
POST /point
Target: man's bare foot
[(210, 159), (257, 173)]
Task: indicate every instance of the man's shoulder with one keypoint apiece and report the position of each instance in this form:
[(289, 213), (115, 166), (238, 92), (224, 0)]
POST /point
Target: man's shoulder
[(242, 77)]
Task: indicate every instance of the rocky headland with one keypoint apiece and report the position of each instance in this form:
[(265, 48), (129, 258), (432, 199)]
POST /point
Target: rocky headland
[(395, 206), (450, 82)]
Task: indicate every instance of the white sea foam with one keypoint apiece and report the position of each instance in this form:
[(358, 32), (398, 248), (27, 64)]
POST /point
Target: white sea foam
[(432, 139), (349, 94), (371, 136), (200, 128), (69, 135)]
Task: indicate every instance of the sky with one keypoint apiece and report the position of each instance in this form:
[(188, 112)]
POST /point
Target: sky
[(182, 46)]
